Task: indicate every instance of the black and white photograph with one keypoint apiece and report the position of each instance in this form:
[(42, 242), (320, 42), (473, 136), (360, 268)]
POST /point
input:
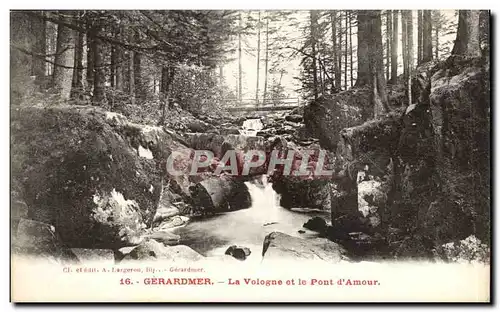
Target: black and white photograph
[(195, 155)]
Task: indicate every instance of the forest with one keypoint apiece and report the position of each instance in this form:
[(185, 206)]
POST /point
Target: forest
[(399, 100)]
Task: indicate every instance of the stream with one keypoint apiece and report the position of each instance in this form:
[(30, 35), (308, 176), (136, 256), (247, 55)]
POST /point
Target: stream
[(247, 227)]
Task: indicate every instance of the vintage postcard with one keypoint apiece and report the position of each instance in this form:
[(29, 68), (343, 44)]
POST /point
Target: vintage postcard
[(250, 155)]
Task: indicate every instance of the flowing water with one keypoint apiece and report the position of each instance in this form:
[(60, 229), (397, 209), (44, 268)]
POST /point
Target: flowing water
[(246, 227), (251, 127)]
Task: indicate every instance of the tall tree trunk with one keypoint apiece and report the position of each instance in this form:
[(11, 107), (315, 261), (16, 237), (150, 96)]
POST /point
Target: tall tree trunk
[(338, 77), (138, 79), (345, 49), (167, 78), (410, 53), (388, 31), (404, 41), (131, 74), (267, 60), (77, 86), (39, 34), (467, 41), (112, 69), (119, 69), (240, 72), (99, 97), (90, 57), (313, 15), (395, 41), (333, 21), (258, 62), (419, 37), (408, 42), (427, 37), (20, 62), (363, 62), (350, 49), (436, 43), (64, 61), (376, 63)]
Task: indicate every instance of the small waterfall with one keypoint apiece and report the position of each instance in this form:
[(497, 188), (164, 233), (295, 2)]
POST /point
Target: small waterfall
[(251, 127), (265, 201)]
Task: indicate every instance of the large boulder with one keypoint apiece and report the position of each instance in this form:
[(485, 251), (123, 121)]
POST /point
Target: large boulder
[(280, 246), (460, 106), (153, 250), (326, 117), (92, 174), (297, 192), (37, 239)]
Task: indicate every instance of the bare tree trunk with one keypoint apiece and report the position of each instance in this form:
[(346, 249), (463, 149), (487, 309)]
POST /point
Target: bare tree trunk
[(363, 62), (338, 76), (64, 61), (427, 37), (140, 88), (408, 43), (240, 72), (350, 49), (376, 63), (345, 50), (314, 23), (39, 34), (20, 62), (388, 31), (119, 69), (267, 60), (131, 75), (436, 48), (333, 21), (420, 37), (99, 96), (404, 30), (77, 86), (467, 42), (395, 40), (258, 61), (410, 53), (167, 78), (90, 57)]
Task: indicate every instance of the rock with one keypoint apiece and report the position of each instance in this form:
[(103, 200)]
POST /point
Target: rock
[(294, 118), (38, 239), (165, 237), (316, 224), (219, 194), (468, 250), (444, 221), (163, 213), (104, 256), (238, 252), (280, 246), (372, 199), (226, 131), (461, 122), (18, 209), (153, 250), (325, 117), (173, 222), (297, 192), (301, 231), (81, 170), (184, 253)]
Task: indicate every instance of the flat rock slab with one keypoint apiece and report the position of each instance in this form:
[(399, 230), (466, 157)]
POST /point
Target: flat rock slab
[(280, 246)]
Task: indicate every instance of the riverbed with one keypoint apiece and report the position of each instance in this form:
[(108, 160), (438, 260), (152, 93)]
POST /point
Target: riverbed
[(247, 227)]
